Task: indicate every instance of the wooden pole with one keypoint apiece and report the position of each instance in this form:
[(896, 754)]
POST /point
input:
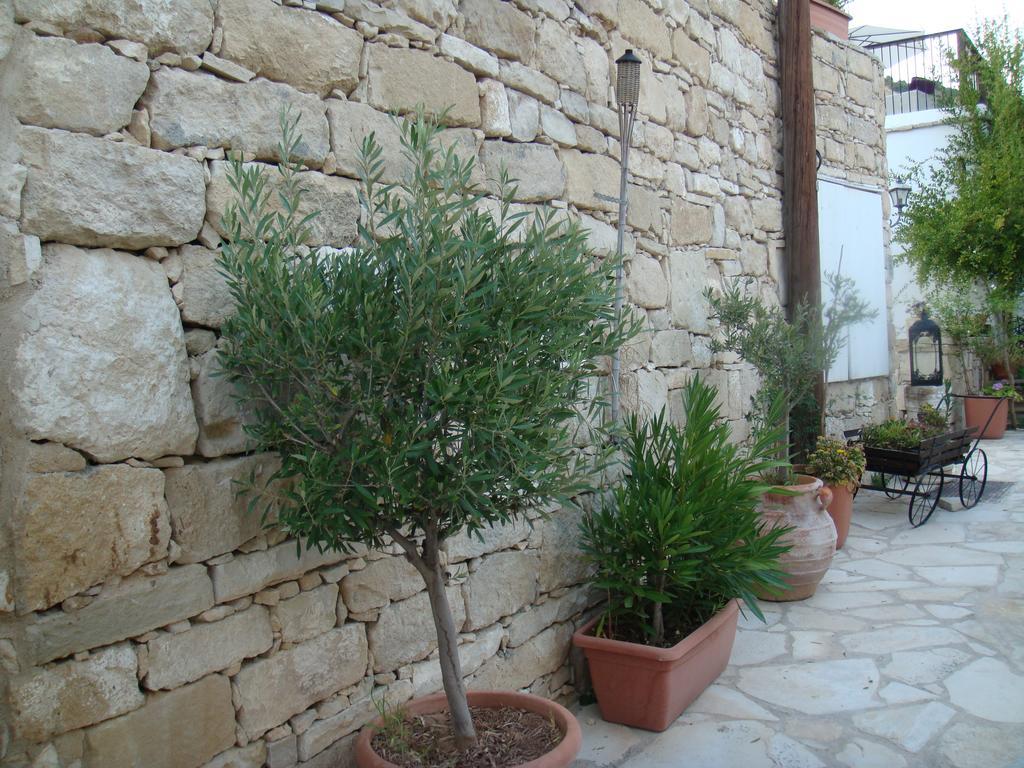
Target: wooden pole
[(799, 165)]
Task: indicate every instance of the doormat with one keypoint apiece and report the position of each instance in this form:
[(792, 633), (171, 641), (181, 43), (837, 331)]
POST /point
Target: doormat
[(995, 490)]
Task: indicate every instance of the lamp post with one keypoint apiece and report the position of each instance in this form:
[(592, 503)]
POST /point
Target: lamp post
[(627, 94), (899, 193)]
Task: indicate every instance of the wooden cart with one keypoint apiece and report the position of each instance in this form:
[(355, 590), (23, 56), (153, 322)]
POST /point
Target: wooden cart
[(921, 473)]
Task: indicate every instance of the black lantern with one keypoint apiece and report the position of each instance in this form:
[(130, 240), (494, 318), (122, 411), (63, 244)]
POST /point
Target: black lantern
[(925, 352)]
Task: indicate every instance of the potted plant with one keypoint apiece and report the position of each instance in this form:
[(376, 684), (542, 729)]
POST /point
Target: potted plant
[(980, 327), (990, 410), (840, 467), (790, 355), (673, 549), (829, 16), (424, 382)]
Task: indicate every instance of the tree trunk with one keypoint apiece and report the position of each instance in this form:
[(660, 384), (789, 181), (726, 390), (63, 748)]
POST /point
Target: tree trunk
[(448, 647), (428, 563)]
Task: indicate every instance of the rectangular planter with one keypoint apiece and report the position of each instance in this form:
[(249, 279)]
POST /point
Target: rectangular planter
[(647, 687)]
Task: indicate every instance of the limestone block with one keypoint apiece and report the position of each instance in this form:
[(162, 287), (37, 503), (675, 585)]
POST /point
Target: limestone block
[(535, 168), (644, 392), (400, 79), (426, 675), (350, 123), (767, 214), (389, 20), (646, 285), (490, 539), (528, 80), (271, 690), (524, 116), (557, 126), (469, 56), (696, 112), (671, 348), (51, 701), (73, 530), (501, 585), (642, 26), (57, 83), (12, 182), (597, 65), (380, 582), (325, 732), (498, 27), (20, 255), (561, 562), (246, 574), (688, 278), (587, 175), (738, 215), (88, 191), (184, 727), (190, 108), (531, 622), (134, 607), (693, 57), (309, 50), (208, 516), (99, 359), (202, 292), (405, 632), (308, 614), (53, 457), (691, 223), (644, 211), (558, 56), (176, 659), (495, 119), (184, 26), (337, 201), (250, 756), (519, 667), (220, 416)]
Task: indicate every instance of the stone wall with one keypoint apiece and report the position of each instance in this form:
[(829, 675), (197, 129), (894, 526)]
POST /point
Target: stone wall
[(145, 618)]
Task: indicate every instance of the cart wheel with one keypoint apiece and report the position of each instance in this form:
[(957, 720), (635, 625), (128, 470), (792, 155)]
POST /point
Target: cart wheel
[(896, 483), (925, 498), (973, 476)]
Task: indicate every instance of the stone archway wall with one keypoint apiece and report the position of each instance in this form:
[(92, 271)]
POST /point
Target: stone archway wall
[(145, 619)]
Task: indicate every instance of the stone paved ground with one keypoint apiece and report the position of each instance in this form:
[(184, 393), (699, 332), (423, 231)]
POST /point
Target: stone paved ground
[(911, 653)]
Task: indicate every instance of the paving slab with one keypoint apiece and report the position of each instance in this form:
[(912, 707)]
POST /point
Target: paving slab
[(910, 654)]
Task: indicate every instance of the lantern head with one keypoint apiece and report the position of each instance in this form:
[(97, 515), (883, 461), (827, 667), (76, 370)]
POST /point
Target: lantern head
[(627, 79), (925, 352)]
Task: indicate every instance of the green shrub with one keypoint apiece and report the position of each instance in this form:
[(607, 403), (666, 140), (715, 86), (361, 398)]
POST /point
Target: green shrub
[(898, 434), (426, 381), (681, 535), (836, 463)]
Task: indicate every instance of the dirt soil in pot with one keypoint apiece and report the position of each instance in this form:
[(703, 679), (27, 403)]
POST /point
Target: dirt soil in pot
[(505, 737)]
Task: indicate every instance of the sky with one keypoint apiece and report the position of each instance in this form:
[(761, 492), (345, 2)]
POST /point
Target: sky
[(934, 15)]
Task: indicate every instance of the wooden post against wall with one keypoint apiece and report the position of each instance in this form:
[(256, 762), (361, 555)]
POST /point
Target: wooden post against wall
[(799, 165), (799, 182)]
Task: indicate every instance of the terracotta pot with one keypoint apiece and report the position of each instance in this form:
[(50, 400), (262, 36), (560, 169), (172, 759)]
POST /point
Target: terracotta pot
[(840, 509), (977, 409), (828, 18), (647, 687), (812, 540), (561, 756)]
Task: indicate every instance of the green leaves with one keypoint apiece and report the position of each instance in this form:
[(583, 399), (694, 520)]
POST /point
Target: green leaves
[(427, 378), (680, 535)]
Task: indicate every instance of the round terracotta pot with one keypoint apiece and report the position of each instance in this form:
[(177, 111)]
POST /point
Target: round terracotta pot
[(647, 687), (812, 540), (561, 756), (840, 509), (978, 408)]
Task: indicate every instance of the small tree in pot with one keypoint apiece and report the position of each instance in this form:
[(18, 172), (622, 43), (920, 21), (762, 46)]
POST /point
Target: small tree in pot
[(424, 382)]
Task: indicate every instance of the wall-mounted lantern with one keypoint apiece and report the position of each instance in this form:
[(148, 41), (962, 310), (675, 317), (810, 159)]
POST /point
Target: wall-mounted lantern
[(925, 352), (900, 194)]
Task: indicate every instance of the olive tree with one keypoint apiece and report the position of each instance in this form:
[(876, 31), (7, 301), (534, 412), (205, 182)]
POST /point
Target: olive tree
[(426, 381)]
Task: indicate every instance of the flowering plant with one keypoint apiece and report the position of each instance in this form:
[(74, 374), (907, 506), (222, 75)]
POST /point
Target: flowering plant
[(837, 463), (1002, 388)]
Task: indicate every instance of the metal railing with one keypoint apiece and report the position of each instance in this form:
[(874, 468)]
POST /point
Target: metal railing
[(918, 71)]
